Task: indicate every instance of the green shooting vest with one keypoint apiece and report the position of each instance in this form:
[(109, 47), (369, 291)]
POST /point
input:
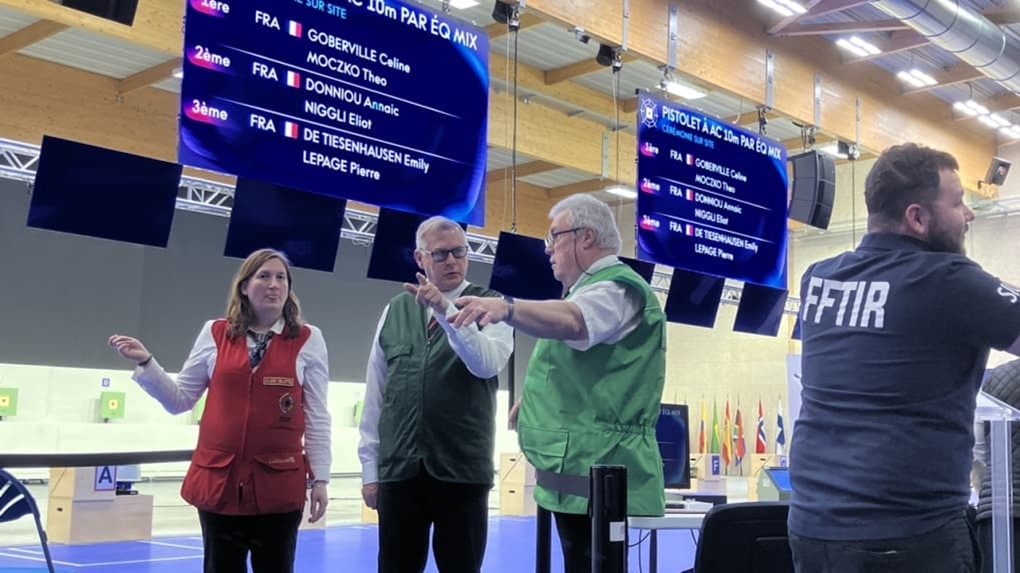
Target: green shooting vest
[(435, 411), (599, 406)]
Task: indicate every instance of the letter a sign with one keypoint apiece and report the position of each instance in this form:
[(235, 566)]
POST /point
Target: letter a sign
[(106, 478)]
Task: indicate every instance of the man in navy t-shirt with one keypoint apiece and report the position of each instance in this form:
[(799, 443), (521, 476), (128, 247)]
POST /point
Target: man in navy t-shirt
[(896, 336)]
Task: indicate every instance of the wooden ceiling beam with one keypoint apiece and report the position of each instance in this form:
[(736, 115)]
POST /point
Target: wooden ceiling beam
[(728, 54), (567, 93), (31, 34), (956, 74), (578, 69), (523, 170), (898, 41), (844, 28), (528, 20), (586, 186), (1004, 103), (816, 8), (158, 24), (1002, 15), (148, 76)]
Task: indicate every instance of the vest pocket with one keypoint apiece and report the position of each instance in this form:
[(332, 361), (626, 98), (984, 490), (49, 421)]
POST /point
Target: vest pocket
[(206, 481), (280, 482), (545, 449), (399, 372)]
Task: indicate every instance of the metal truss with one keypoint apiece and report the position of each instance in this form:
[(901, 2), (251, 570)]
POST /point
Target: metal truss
[(730, 295), (19, 161)]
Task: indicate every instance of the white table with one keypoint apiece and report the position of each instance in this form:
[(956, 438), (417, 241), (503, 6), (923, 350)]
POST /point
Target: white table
[(677, 520)]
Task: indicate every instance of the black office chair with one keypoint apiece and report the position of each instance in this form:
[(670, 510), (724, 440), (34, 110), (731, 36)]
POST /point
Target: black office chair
[(745, 538), (17, 502)]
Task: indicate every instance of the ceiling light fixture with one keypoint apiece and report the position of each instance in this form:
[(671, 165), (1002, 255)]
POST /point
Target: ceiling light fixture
[(784, 7), (917, 78), (680, 90), (858, 47), (621, 191)]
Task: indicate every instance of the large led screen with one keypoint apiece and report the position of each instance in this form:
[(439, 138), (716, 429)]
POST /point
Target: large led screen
[(712, 196), (377, 101)]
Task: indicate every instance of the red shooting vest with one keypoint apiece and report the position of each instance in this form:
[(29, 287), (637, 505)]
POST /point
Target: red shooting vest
[(250, 455)]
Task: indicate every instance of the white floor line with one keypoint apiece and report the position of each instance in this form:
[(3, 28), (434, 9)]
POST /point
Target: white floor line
[(153, 560), (29, 551), (165, 544), (42, 559)]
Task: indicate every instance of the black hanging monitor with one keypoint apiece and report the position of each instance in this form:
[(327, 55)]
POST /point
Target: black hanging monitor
[(521, 269), (96, 192), (393, 247), (693, 298), (644, 268), (305, 226), (760, 310)]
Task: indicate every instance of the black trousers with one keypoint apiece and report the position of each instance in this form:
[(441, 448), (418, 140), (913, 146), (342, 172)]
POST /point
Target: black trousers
[(271, 539), (984, 535), (457, 514), (575, 539), (951, 548)]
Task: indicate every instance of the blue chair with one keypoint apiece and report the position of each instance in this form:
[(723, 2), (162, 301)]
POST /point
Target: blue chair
[(17, 502)]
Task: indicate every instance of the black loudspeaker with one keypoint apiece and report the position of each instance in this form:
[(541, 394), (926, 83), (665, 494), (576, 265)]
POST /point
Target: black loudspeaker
[(997, 171), (814, 188)]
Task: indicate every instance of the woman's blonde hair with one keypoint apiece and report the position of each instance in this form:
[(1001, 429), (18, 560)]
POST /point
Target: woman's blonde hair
[(239, 312)]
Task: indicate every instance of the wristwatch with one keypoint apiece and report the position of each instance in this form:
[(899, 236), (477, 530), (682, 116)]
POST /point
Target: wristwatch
[(509, 300)]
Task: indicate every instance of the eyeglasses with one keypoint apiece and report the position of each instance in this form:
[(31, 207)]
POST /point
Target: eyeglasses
[(551, 238), (439, 255)]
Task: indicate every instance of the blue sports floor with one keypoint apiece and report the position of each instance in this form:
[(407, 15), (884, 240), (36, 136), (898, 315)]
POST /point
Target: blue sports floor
[(349, 548)]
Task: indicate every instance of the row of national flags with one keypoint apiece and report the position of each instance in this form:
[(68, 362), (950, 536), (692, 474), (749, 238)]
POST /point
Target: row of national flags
[(728, 441)]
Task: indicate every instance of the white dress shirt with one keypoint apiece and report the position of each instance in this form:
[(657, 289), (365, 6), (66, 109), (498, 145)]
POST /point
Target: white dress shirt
[(611, 311), (484, 352), (312, 373)]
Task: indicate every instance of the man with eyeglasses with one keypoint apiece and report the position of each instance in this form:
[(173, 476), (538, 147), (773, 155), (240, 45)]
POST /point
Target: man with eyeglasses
[(594, 382), (428, 424)]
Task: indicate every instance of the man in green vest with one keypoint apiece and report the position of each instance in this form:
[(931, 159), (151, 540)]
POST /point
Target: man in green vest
[(428, 423), (594, 384)]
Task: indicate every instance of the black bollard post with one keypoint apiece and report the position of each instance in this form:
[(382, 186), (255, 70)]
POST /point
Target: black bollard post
[(543, 538), (608, 505)]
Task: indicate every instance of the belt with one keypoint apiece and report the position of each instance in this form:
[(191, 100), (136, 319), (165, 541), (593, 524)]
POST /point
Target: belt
[(564, 483)]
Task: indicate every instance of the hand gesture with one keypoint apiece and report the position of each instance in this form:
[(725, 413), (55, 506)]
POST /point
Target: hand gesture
[(129, 348), (370, 493), (513, 414), (483, 310), (427, 294), (318, 501)]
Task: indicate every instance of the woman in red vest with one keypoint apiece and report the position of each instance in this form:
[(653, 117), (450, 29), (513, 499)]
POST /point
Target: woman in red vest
[(266, 372)]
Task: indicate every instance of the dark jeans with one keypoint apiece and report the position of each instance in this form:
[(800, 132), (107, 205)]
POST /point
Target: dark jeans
[(984, 535), (457, 513), (952, 548), (575, 539), (271, 539)]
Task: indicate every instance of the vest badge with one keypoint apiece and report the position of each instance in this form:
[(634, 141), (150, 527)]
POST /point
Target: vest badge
[(286, 403)]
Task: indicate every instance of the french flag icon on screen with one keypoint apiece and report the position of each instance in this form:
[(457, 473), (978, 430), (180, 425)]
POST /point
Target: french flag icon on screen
[(293, 79), (689, 229), (290, 129), (690, 159), (294, 29)]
